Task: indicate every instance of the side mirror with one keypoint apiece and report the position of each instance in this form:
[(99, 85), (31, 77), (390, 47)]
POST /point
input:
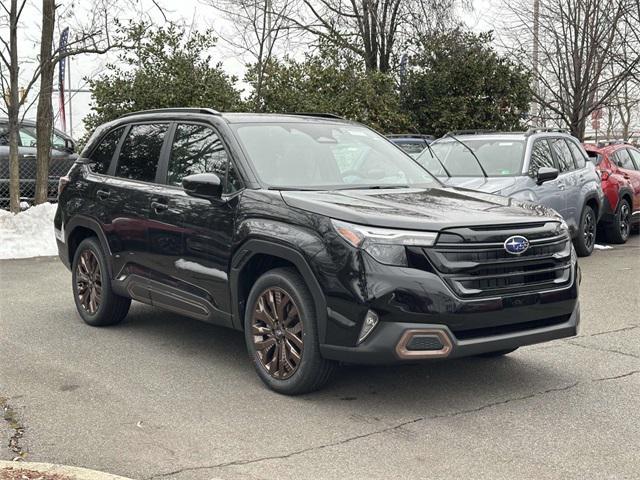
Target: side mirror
[(69, 146), (203, 185), (545, 174)]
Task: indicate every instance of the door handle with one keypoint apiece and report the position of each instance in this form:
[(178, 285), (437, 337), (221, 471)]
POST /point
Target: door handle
[(103, 194), (29, 155), (561, 186), (159, 207)]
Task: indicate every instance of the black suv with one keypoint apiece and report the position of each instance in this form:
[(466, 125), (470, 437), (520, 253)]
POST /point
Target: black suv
[(317, 237)]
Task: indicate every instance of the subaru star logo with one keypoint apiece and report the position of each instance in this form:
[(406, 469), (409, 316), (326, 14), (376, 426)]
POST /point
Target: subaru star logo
[(516, 245)]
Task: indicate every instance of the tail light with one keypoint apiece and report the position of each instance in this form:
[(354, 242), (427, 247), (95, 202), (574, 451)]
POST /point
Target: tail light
[(62, 183)]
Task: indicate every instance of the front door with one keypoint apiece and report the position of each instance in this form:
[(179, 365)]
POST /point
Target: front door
[(191, 237), (549, 193)]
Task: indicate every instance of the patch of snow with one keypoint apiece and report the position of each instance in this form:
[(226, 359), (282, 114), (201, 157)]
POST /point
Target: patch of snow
[(28, 233), (602, 247), (197, 268)]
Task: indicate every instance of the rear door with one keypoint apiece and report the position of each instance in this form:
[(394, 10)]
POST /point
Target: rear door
[(549, 193), (191, 237), (124, 198), (633, 175)]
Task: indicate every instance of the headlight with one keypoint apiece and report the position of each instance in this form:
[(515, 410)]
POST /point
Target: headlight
[(386, 245), (564, 226)]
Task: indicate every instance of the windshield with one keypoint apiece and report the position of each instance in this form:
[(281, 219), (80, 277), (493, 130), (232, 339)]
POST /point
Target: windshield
[(327, 156), (499, 157)]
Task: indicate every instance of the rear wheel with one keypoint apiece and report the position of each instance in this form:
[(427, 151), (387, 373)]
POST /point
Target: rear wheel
[(498, 353), (620, 228), (96, 303), (586, 237), (281, 334)]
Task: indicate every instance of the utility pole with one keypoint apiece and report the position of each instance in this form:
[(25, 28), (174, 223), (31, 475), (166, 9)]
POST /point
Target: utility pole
[(535, 106), (267, 12)]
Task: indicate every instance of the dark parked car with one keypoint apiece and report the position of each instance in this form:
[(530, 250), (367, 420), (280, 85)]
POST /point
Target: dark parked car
[(539, 166), (619, 166), (317, 237), (62, 157), (411, 143)]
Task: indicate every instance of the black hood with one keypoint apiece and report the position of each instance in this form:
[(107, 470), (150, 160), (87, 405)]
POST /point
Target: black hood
[(419, 209)]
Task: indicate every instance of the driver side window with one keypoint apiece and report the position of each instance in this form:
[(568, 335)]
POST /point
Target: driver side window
[(540, 157)]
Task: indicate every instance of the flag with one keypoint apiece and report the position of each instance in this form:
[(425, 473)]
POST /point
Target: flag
[(64, 36)]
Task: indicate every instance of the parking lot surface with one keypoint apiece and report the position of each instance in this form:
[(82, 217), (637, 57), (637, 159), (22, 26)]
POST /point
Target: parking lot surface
[(162, 396)]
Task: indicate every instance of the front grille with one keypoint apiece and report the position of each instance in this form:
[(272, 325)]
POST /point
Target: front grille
[(482, 267)]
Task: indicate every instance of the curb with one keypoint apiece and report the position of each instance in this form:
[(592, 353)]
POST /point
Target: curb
[(76, 473)]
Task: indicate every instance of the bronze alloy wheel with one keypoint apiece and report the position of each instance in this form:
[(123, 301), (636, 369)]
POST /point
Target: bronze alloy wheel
[(89, 282), (276, 328)]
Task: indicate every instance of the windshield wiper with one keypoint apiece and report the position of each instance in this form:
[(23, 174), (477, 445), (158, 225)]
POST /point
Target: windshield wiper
[(293, 189), (471, 150), (371, 187), (433, 155)]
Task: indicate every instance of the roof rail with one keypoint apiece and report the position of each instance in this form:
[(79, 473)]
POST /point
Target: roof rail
[(209, 111), (317, 114), (531, 131), (469, 132)]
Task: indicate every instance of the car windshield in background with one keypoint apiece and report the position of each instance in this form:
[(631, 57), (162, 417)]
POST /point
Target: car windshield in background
[(326, 156), (412, 148), (499, 157)]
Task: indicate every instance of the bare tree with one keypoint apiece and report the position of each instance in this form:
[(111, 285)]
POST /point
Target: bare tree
[(581, 53), (257, 25), (373, 29)]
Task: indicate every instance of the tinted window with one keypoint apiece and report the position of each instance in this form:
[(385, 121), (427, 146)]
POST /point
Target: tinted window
[(578, 156), (103, 153), (198, 149), (4, 134), (635, 154), (540, 157), (623, 159), (563, 155), (141, 151)]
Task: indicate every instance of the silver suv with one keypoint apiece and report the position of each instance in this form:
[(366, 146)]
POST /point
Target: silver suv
[(548, 167)]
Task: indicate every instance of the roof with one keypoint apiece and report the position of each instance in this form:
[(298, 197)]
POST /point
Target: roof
[(32, 123)]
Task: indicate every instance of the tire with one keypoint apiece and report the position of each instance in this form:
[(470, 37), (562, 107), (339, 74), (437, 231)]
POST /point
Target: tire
[(498, 353), (586, 236), (618, 231), (89, 282), (279, 331)]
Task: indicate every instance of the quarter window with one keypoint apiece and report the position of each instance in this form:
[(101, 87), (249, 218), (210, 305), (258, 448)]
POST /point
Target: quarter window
[(141, 151), (578, 156), (199, 149), (624, 159), (540, 157), (563, 155), (103, 153)]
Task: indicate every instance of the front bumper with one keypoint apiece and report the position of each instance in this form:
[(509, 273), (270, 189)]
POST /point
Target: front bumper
[(386, 346)]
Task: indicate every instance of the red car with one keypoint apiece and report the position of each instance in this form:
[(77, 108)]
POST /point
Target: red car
[(619, 166)]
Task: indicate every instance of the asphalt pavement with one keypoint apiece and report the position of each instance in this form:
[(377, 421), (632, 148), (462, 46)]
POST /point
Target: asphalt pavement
[(162, 396)]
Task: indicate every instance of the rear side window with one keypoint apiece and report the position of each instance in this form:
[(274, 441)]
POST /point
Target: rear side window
[(4, 134), (103, 153), (563, 155), (595, 158), (623, 159), (635, 155), (540, 157), (140, 152), (199, 149), (578, 156)]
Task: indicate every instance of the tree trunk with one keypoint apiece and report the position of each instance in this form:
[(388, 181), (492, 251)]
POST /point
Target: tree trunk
[(44, 116), (13, 111)]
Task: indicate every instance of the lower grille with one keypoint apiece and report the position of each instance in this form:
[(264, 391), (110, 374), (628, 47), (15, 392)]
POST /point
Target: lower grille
[(510, 328)]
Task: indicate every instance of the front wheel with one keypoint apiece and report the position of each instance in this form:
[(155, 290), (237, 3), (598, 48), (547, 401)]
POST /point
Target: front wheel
[(281, 334), (586, 237), (620, 228)]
